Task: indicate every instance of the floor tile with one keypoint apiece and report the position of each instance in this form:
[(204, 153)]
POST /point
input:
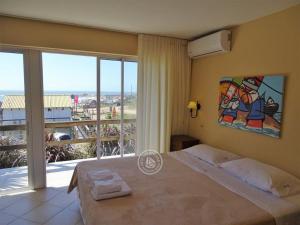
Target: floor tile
[(22, 206), (66, 217), (50, 205), (23, 222), (80, 222), (42, 195), (5, 218), (58, 175), (8, 200), (62, 189), (63, 200), (75, 206), (43, 213)]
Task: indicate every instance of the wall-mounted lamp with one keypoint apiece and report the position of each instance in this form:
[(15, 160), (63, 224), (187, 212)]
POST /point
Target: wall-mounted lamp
[(194, 106)]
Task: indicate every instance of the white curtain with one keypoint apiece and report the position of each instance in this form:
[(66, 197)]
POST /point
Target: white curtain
[(163, 91)]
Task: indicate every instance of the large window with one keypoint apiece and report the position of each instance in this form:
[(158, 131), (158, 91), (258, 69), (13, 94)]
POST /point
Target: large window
[(71, 106), (13, 151), (70, 84), (118, 107), (130, 109), (89, 111)]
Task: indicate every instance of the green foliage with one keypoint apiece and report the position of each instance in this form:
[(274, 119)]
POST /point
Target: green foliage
[(108, 116), (70, 152), (13, 158)]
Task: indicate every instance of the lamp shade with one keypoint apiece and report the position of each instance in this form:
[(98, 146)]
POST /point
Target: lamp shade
[(192, 105)]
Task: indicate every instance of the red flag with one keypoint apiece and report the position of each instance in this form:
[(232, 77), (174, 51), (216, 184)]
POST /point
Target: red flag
[(76, 99)]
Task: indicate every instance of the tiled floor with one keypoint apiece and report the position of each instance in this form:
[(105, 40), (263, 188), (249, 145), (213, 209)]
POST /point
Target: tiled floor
[(47, 206), (50, 206), (58, 175)]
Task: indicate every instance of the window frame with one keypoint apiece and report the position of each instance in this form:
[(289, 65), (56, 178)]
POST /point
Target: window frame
[(32, 59)]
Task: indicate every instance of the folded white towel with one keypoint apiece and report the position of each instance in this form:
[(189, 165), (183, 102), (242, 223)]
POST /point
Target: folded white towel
[(125, 190), (99, 175), (101, 187)]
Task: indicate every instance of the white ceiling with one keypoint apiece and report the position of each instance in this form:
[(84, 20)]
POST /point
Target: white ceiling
[(176, 18)]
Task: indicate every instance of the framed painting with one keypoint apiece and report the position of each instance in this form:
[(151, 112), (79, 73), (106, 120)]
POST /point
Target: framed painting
[(252, 103)]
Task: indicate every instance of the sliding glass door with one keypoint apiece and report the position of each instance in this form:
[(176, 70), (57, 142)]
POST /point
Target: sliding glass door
[(110, 107), (89, 110), (13, 149), (70, 105), (118, 85), (130, 106)]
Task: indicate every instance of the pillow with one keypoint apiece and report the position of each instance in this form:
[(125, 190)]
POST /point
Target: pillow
[(263, 176), (210, 154)]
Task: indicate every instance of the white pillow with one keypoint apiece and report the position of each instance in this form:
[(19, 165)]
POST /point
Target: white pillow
[(263, 176), (210, 154)]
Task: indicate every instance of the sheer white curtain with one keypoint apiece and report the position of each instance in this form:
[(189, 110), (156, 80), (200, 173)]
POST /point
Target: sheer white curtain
[(163, 91)]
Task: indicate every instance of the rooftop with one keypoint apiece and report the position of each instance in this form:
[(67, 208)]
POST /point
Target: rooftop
[(50, 101)]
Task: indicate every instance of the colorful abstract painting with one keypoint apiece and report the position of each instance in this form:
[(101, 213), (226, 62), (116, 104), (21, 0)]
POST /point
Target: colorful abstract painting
[(252, 103)]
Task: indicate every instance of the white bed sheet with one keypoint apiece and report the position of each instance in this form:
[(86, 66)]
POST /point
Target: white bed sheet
[(286, 211)]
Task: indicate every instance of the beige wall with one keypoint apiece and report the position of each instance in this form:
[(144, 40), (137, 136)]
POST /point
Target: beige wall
[(52, 35), (270, 45)]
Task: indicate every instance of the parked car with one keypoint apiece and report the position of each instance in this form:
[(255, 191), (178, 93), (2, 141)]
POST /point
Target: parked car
[(61, 136)]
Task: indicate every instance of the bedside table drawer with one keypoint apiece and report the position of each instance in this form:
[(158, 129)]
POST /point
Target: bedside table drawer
[(179, 142)]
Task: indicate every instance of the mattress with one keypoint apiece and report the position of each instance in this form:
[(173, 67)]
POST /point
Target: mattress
[(178, 194)]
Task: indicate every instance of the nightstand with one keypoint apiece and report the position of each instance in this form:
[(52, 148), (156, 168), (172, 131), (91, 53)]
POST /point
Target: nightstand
[(179, 142)]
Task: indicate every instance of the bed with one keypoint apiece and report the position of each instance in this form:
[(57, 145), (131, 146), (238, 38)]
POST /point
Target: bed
[(185, 192)]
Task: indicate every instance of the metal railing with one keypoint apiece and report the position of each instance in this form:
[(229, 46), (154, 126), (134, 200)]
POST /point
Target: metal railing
[(67, 125)]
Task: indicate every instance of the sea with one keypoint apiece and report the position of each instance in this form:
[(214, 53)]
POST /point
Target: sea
[(79, 93)]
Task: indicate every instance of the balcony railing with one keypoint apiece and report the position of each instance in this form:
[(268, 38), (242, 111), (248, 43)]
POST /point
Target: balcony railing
[(82, 123)]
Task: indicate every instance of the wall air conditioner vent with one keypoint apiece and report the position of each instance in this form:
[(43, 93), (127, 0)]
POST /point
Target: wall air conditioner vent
[(219, 42)]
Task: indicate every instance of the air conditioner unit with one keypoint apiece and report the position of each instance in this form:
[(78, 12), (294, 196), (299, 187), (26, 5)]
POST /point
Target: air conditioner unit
[(218, 42)]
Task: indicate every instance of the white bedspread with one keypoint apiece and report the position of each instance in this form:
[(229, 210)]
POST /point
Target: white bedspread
[(286, 211)]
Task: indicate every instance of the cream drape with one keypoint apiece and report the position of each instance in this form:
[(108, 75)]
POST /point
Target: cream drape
[(163, 91)]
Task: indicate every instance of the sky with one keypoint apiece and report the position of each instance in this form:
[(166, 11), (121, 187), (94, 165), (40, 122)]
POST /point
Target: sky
[(62, 72), (11, 72), (277, 83)]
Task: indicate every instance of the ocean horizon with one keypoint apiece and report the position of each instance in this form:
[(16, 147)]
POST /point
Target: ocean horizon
[(79, 93)]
